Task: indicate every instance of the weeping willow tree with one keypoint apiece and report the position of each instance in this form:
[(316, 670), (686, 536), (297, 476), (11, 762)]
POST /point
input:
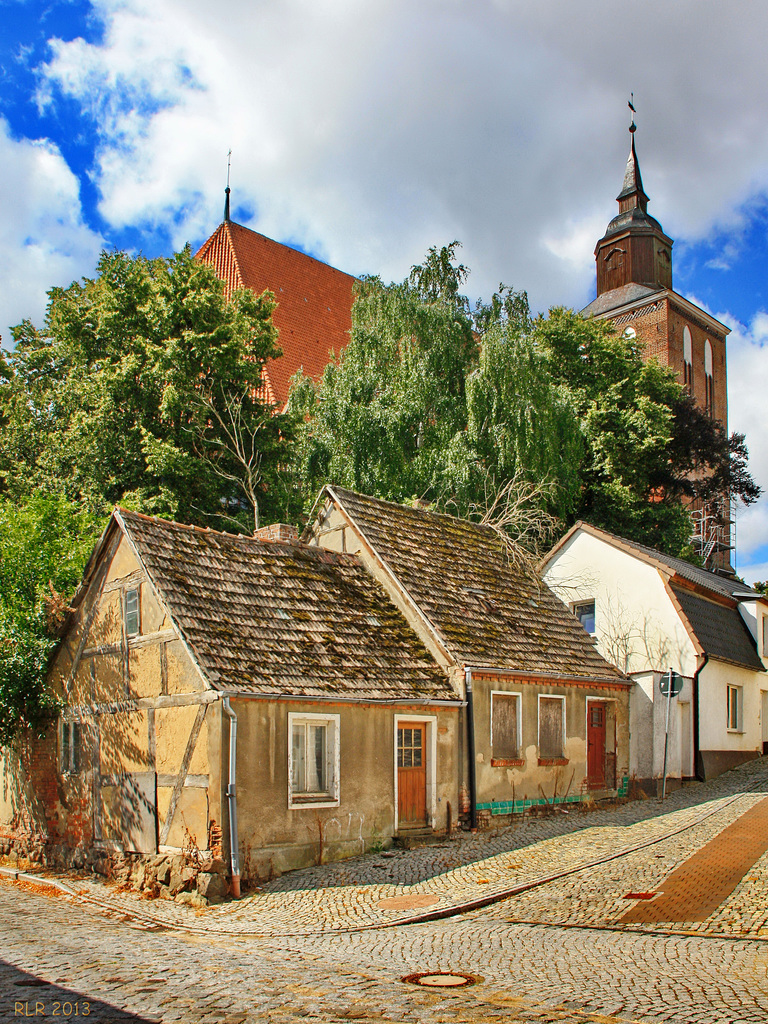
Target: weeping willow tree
[(436, 400)]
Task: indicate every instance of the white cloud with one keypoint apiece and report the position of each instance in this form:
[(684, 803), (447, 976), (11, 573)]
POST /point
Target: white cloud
[(43, 240), (369, 131)]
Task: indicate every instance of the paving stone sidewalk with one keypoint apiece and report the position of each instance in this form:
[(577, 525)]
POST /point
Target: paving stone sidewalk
[(398, 886)]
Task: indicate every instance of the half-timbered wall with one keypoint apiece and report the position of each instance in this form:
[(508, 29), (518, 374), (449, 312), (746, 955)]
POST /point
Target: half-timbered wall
[(138, 744)]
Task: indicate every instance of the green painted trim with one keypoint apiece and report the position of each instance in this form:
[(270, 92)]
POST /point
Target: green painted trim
[(518, 806)]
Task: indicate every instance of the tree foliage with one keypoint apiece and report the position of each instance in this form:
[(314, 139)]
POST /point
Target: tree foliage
[(413, 407), (44, 543), (435, 400), (102, 404), (648, 445)]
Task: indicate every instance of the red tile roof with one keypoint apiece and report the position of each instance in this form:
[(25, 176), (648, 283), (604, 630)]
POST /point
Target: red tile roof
[(314, 300)]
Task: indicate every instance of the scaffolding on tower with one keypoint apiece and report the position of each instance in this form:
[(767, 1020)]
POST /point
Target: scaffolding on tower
[(713, 532)]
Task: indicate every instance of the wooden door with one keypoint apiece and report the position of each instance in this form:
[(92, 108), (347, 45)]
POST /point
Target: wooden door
[(596, 745), (411, 774)]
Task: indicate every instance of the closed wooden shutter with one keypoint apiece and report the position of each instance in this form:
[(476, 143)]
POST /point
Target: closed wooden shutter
[(551, 727), (504, 725)]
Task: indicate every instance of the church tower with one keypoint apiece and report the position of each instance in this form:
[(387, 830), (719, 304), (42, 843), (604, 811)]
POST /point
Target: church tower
[(635, 293)]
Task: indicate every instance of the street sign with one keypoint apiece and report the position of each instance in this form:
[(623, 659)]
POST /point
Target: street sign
[(671, 683)]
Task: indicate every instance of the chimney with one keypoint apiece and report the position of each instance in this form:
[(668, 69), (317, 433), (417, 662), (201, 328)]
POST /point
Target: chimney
[(278, 533)]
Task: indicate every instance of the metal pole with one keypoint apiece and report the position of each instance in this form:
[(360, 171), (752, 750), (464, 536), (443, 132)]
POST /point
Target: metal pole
[(666, 735)]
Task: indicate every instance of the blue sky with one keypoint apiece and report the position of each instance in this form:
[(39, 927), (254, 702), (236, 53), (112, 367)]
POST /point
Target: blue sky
[(365, 131)]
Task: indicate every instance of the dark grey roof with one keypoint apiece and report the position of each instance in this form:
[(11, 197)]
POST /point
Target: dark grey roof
[(618, 297), (283, 618), (632, 186), (488, 612), (720, 630), (637, 220)]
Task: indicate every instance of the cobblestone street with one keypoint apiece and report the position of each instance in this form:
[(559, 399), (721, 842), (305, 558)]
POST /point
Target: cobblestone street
[(572, 943), (530, 973)]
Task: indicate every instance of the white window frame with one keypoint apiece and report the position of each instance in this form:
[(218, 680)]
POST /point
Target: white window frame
[(738, 691), (137, 591), (296, 801), (585, 604), (510, 693), (549, 696)]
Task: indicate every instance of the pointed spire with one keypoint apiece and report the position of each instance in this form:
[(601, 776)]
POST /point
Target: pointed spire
[(227, 190), (632, 195)]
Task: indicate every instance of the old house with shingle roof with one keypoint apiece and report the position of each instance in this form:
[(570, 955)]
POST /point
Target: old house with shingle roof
[(314, 300), (546, 716), (650, 612), (243, 690)]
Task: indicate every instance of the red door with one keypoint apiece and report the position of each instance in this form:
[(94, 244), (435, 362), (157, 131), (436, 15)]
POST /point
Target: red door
[(411, 774), (595, 746)]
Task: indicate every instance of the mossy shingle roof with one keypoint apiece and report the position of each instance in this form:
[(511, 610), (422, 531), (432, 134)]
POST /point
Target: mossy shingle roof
[(283, 618), (488, 612)]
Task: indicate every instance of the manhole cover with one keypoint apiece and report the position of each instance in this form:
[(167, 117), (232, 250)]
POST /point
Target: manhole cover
[(442, 979), (407, 902)]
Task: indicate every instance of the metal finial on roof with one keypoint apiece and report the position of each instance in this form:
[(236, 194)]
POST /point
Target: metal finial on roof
[(632, 187), (227, 190)]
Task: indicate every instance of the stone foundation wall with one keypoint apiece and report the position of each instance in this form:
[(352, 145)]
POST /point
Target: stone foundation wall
[(194, 878)]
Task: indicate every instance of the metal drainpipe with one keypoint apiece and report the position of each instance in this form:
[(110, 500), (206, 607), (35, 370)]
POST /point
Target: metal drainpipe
[(234, 852), (695, 693), (471, 751)]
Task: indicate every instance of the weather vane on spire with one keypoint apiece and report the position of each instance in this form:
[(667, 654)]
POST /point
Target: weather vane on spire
[(631, 105), (227, 190)]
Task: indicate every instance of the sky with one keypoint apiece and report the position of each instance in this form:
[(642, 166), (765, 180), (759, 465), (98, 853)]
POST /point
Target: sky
[(365, 131)]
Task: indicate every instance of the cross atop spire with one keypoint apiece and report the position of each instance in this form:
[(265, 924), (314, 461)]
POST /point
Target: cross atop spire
[(632, 196)]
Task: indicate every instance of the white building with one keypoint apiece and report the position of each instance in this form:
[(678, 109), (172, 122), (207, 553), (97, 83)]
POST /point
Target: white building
[(648, 613)]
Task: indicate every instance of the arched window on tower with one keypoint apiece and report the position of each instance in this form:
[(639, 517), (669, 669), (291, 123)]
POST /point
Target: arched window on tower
[(687, 361), (709, 388)]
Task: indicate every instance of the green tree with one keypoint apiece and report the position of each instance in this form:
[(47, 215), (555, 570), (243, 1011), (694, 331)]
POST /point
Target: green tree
[(519, 425), (388, 406), (44, 543), (413, 407), (104, 403), (647, 445)]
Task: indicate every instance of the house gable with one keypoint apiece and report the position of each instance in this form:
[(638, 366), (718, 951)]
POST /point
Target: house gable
[(637, 624), (133, 694)]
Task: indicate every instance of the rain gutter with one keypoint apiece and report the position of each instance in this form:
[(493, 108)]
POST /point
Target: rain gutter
[(697, 768), (234, 846)]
